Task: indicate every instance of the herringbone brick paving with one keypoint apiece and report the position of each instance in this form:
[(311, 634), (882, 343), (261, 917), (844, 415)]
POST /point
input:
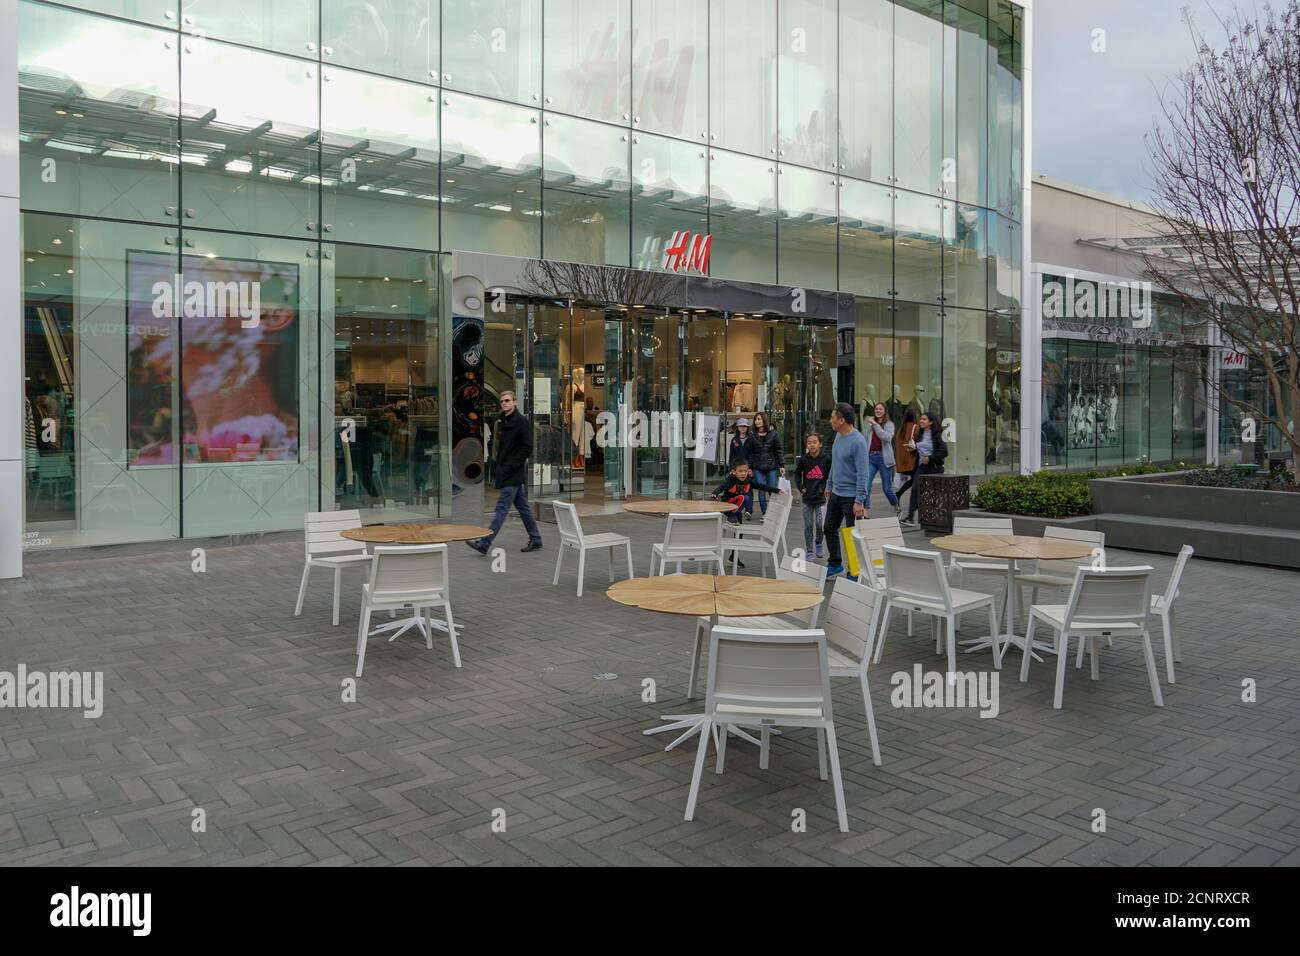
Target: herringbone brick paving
[(218, 698)]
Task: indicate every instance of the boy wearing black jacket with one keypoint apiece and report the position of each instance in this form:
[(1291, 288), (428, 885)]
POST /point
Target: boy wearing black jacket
[(738, 486), (811, 472)]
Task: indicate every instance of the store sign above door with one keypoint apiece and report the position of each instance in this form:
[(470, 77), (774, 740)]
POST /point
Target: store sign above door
[(688, 252)]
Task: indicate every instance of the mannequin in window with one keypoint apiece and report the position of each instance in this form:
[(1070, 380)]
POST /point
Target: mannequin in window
[(894, 405)]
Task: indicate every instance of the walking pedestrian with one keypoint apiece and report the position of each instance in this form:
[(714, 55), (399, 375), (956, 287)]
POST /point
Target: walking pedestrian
[(849, 490), (768, 462), (904, 457), (514, 446), (931, 450), (812, 471), (880, 455), (743, 447)]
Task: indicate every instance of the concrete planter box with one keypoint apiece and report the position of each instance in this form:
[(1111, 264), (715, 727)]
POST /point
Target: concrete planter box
[(1157, 496)]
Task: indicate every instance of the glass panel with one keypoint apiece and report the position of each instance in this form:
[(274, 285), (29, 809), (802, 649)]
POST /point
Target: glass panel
[(742, 75), (1003, 454), (586, 212), (918, 361), (390, 37), (379, 159), (153, 12), (1003, 90), (1086, 382), (1160, 403), (742, 217), (806, 229), (89, 475), (966, 393), (550, 399), (494, 49), (670, 67), (247, 385), (383, 318), (491, 177), (873, 354), (285, 26), (1005, 254), (866, 247), (1109, 413), (866, 85), (97, 116), (970, 68), (918, 94), (1056, 399), (588, 59), (918, 249), (652, 374), (706, 363), (1133, 392), (965, 255), (249, 139), (807, 73), (669, 193), (1188, 404)]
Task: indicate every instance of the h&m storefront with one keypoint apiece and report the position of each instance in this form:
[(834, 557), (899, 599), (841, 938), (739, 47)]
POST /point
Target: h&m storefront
[(261, 255)]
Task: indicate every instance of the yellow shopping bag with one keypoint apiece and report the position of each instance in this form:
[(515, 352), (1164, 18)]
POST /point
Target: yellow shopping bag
[(850, 551)]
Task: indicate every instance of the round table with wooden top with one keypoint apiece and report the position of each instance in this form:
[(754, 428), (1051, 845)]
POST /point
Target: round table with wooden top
[(414, 534), (1012, 548), (712, 596), (679, 506)]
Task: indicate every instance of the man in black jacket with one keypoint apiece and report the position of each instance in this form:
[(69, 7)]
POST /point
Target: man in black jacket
[(514, 446)]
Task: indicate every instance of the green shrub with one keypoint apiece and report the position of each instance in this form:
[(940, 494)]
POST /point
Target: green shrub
[(1235, 476), (1044, 494)]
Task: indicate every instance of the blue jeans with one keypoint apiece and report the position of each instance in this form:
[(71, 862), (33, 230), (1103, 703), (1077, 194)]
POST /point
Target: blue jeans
[(518, 496), (768, 477), (876, 463)]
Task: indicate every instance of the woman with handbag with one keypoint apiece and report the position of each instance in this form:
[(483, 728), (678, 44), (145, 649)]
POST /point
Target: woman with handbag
[(930, 450)]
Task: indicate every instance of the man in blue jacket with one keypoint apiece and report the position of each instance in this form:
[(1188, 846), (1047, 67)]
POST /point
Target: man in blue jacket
[(850, 492), (514, 446)]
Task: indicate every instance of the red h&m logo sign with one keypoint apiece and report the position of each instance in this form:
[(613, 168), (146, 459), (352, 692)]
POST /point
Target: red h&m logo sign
[(688, 251)]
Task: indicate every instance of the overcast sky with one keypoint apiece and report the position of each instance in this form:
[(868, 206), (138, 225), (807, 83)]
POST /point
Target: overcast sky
[(1093, 109)]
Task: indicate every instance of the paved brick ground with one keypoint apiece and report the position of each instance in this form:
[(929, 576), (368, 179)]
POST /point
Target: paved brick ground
[(219, 698)]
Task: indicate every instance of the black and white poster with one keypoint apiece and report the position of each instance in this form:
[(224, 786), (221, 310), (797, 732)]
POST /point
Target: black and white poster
[(1094, 413)]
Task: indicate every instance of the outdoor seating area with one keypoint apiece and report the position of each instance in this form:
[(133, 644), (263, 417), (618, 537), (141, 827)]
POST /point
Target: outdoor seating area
[(549, 703)]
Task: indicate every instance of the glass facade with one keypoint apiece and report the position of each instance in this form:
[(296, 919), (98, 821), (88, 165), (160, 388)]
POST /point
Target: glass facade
[(247, 195)]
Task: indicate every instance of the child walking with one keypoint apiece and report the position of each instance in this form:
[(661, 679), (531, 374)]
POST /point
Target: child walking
[(810, 473)]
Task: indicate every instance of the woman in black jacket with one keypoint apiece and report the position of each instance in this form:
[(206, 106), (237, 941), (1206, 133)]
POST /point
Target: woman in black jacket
[(743, 448), (931, 450), (768, 463)]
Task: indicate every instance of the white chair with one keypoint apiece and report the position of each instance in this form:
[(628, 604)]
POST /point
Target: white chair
[(402, 577), (572, 537), (814, 574), (1103, 603), (915, 581), (763, 530), (1060, 574), (327, 548), (869, 536), (1163, 606), (769, 539), (689, 538), (851, 624), (768, 679)]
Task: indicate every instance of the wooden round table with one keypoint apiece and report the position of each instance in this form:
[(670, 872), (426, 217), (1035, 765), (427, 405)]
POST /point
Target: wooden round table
[(679, 506), (1012, 548), (714, 596), (414, 534)]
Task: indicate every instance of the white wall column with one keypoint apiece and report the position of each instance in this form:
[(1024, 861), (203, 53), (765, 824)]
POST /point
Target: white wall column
[(11, 313), (1031, 300)]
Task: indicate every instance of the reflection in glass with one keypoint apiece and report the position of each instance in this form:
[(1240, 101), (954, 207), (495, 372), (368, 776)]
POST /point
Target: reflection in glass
[(742, 76), (670, 67), (965, 256), (493, 48), (866, 84), (585, 192), (806, 228), (589, 59), (967, 86), (866, 246), (249, 140), (97, 104), (491, 177), (669, 193), (379, 159), (390, 37), (285, 26), (918, 266), (807, 72), (873, 352), (742, 217), (918, 94)]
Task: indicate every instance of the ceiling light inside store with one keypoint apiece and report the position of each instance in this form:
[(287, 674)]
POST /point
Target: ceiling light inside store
[(57, 242)]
